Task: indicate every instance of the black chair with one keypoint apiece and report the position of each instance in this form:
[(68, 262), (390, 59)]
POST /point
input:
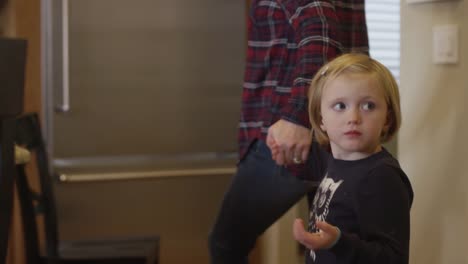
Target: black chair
[(12, 65), (7, 170), (104, 251)]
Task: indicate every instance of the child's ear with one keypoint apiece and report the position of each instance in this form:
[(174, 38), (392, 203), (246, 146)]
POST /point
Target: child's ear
[(322, 126), (388, 122)]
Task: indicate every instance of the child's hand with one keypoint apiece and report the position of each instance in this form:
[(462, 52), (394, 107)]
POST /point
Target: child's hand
[(324, 239), (289, 142), (274, 148)]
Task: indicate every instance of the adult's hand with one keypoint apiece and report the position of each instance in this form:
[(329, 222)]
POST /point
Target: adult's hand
[(289, 143)]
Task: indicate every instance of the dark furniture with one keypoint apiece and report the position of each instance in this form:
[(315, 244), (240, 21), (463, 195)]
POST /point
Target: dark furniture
[(12, 70), (7, 168), (12, 65), (126, 250)]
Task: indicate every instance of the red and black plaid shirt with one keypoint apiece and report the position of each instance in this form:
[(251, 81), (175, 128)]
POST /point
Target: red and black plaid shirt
[(288, 41)]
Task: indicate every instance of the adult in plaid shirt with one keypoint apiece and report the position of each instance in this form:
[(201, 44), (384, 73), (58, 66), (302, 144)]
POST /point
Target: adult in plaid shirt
[(288, 41)]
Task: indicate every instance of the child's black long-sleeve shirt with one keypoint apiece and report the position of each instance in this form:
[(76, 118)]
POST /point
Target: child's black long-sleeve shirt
[(369, 200)]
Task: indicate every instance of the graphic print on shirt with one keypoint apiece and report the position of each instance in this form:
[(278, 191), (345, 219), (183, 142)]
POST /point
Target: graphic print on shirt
[(321, 204), (322, 200)]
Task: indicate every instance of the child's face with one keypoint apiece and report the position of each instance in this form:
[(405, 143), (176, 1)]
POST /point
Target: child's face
[(354, 115)]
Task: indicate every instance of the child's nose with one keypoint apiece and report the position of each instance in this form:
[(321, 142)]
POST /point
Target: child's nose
[(354, 116)]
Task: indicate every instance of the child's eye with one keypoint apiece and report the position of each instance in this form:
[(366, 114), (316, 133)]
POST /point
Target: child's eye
[(368, 106), (339, 106)]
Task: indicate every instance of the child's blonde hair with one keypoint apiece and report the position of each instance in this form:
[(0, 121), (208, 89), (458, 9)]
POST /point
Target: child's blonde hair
[(354, 63)]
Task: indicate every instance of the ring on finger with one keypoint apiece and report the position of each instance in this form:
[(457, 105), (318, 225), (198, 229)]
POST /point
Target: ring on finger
[(297, 160)]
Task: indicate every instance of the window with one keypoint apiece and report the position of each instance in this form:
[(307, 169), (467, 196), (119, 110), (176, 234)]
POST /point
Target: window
[(383, 23)]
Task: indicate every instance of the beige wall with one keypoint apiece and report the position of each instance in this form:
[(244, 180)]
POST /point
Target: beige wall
[(432, 142), (277, 245)]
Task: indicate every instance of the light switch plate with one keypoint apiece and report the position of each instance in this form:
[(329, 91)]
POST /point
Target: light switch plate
[(445, 44), (427, 1)]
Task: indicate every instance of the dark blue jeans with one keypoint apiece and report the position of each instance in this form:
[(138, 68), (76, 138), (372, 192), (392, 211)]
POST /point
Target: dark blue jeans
[(259, 194)]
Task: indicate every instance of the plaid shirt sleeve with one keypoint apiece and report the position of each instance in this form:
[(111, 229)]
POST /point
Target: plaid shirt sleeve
[(321, 34), (288, 41)]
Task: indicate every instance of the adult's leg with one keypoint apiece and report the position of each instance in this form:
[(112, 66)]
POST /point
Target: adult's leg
[(259, 194)]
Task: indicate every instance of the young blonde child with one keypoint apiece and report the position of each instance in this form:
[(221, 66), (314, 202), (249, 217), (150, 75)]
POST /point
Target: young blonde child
[(361, 210)]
